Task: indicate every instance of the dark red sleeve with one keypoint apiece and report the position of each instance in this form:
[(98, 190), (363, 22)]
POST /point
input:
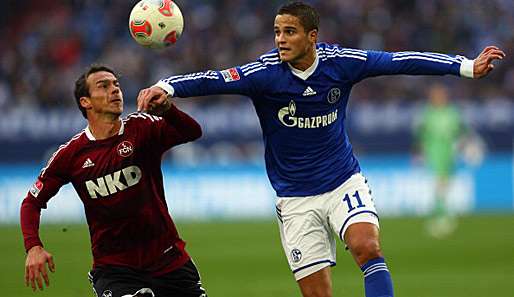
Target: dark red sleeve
[(29, 220), (178, 128), (47, 185)]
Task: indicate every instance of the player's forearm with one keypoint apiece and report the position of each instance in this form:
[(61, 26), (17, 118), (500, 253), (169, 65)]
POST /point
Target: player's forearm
[(183, 123), (421, 63), (29, 221)]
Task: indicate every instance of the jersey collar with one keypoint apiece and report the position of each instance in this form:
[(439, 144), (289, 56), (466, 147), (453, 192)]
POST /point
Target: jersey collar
[(90, 136), (308, 72)]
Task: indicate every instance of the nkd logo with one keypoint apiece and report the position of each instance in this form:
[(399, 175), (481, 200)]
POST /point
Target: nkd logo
[(111, 184), (286, 115)]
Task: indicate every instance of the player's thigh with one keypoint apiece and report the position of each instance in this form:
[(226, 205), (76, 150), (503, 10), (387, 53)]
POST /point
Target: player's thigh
[(119, 282), (305, 235), (182, 282), (351, 203)]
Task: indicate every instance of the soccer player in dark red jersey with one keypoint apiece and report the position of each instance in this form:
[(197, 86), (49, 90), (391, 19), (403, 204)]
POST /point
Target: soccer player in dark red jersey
[(114, 165)]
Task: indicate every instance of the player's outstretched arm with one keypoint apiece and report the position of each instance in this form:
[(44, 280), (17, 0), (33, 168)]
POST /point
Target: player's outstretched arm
[(484, 62), (35, 267)]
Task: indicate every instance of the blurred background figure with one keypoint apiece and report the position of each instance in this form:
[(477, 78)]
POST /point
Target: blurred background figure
[(45, 44), (438, 134)]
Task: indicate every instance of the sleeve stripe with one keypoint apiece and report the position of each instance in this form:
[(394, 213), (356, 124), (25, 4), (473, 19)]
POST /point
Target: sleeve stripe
[(254, 70), (345, 51), (142, 115), (429, 55), (258, 66), (57, 152), (424, 58), (209, 75)]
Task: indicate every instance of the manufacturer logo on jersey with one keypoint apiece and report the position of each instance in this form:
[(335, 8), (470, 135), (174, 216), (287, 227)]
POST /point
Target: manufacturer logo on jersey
[(230, 75), (107, 293), (333, 95), (36, 188), (125, 149), (309, 92), (286, 116), (88, 163), (111, 183), (296, 255)]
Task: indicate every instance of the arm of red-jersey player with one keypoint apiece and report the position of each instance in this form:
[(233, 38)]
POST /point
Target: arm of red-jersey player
[(46, 186), (177, 127)]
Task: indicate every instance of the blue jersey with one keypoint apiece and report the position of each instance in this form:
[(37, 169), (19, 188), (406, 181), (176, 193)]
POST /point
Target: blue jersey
[(302, 113)]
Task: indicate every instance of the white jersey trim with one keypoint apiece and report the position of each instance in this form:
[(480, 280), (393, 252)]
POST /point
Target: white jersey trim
[(307, 72), (77, 136)]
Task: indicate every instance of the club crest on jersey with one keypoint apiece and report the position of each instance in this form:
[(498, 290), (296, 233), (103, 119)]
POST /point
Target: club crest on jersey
[(125, 149), (287, 116), (36, 188), (107, 293), (296, 255), (333, 95), (230, 75)]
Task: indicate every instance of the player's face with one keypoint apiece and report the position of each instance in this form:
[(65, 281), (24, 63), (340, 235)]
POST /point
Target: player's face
[(105, 96), (293, 43)]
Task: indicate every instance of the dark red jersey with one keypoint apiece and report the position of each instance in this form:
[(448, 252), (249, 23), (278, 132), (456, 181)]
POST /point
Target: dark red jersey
[(119, 181)]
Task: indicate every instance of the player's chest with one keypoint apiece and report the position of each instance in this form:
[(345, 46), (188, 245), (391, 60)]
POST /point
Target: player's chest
[(109, 162)]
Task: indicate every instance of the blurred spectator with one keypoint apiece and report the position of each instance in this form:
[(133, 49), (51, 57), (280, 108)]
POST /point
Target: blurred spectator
[(47, 42)]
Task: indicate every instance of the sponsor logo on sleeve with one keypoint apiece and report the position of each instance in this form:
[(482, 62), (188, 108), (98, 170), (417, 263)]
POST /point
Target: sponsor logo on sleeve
[(230, 75), (36, 188)]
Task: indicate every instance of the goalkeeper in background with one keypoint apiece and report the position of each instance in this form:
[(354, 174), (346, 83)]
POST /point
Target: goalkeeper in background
[(437, 135)]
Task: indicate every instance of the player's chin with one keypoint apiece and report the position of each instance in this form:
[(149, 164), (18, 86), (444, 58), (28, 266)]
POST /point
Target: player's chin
[(285, 57)]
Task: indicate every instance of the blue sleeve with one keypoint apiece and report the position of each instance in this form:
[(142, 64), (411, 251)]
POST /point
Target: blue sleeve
[(230, 81), (411, 63)]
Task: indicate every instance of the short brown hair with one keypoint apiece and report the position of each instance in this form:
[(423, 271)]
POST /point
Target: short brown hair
[(308, 16), (81, 87)]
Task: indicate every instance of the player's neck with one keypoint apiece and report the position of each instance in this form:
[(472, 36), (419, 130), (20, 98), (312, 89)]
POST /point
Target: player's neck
[(305, 61), (103, 128)]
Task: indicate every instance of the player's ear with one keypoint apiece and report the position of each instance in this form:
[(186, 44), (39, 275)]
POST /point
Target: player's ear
[(313, 35), (85, 102)]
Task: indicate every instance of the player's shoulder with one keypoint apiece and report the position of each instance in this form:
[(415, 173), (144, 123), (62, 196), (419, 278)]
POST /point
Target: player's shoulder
[(335, 52), (269, 61), (66, 150), (75, 142), (140, 118)]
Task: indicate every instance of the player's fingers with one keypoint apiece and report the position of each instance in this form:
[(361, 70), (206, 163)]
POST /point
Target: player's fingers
[(152, 94), (39, 280), (140, 99), (51, 264), (44, 273), (26, 276), (31, 279)]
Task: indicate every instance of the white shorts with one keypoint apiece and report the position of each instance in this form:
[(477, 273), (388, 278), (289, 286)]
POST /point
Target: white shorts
[(306, 223)]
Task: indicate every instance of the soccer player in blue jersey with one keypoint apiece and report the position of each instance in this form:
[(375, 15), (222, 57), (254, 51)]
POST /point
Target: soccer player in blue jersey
[(300, 92)]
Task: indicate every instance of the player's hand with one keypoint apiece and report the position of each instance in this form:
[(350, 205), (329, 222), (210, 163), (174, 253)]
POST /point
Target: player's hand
[(483, 63), (152, 100), (35, 267)]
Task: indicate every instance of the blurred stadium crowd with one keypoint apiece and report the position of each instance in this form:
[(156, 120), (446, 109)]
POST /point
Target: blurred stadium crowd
[(46, 44)]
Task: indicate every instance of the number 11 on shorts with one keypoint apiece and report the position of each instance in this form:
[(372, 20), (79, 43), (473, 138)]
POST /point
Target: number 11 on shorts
[(348, 201)]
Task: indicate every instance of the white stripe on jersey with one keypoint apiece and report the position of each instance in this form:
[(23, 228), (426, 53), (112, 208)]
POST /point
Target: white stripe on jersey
[(253, 70), (345, 51), (142, 115), (423, 58), (326, 53), (399, 55), (193, 76), (257, 66), (58, 150)]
